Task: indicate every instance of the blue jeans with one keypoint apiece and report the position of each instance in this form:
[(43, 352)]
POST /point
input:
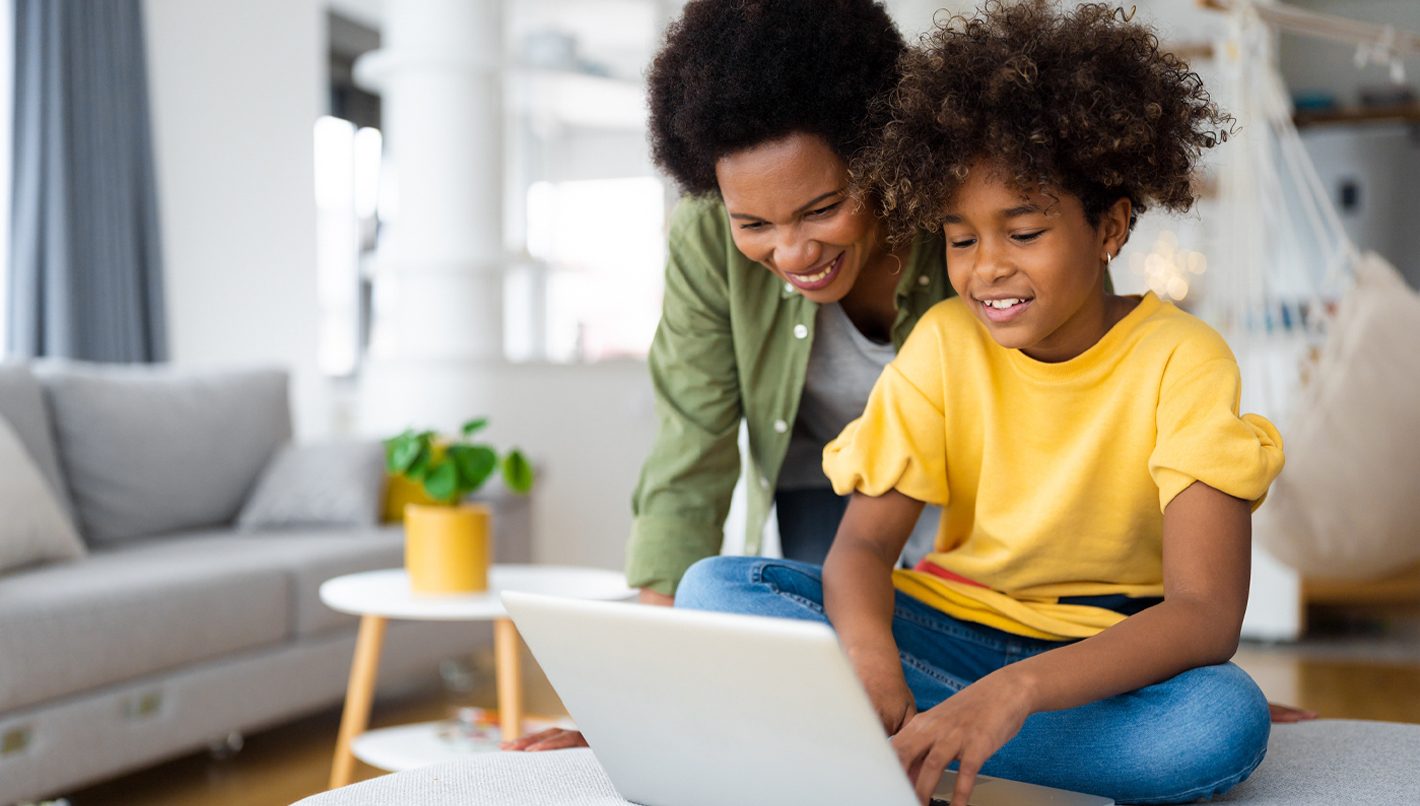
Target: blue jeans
[(1193, 736)]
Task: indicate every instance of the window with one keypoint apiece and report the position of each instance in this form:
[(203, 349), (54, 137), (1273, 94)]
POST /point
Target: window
[(348, 146), (347, 174), (591, 290)]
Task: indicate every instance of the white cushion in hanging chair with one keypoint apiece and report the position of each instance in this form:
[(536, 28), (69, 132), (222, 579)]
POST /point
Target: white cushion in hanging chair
[(1347, 506)]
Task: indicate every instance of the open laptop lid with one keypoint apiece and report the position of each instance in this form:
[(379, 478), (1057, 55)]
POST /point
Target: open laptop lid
[(687, 708)]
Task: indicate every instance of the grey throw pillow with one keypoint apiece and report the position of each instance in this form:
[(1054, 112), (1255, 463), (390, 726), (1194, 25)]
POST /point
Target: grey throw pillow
[(322, 484), (153, 449), (22, 404), (34, 528)]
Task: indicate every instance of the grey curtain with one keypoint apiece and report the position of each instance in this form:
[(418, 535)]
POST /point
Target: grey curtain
[(85, 259)]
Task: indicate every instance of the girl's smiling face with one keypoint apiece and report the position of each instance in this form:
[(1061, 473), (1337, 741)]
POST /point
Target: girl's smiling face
[(790, 212), (1032, 266)]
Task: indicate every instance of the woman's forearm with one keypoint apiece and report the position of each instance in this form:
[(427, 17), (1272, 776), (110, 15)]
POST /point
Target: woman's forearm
[(1146, 648)]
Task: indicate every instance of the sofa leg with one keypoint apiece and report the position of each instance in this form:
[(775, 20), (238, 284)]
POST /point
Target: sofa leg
[(225, 747)]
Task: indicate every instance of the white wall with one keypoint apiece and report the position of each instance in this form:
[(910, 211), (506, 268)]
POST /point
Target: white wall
[(236, 88), (588, 427), (585, 427)]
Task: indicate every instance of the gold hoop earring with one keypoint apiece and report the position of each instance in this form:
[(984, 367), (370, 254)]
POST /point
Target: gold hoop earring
[(898, 261)]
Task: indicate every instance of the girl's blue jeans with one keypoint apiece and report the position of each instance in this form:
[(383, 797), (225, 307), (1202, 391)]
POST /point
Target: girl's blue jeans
[(1191, 737)]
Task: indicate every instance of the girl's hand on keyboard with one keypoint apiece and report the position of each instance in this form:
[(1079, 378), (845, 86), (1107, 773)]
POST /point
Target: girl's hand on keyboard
[(967, 728)]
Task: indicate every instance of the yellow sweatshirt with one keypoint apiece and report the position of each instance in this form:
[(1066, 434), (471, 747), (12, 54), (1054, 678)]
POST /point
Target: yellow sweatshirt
[(1053, 477)]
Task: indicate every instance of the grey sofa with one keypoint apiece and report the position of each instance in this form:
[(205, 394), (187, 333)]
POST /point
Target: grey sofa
[(1322, 762), (165, 637)]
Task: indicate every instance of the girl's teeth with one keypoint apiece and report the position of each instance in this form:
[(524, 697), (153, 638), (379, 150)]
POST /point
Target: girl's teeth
[(1002, 304)]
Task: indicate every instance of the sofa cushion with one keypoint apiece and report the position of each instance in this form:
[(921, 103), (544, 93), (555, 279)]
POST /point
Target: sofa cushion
[(33, 528), (308, 557), (148, 450), (22, 404), (336, 483), (119, 614)]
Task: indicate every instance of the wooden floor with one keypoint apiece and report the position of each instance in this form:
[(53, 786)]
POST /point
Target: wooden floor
[(288, 763)]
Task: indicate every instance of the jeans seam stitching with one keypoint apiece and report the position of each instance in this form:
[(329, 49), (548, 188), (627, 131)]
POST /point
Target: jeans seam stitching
[(757, 576), (802, 601), (931, 671), (947, 628)]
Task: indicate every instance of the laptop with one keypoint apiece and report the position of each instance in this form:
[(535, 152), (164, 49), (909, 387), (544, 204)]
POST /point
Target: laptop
[(687, 708)]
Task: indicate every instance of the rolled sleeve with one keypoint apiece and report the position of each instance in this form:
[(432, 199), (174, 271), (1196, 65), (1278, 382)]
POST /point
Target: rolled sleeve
[(1202, 437), (662, 548)]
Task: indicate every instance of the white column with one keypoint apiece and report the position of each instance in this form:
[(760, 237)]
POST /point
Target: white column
[(440, 81)]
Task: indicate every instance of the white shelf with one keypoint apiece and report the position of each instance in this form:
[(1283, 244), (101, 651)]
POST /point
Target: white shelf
[(409, 747)]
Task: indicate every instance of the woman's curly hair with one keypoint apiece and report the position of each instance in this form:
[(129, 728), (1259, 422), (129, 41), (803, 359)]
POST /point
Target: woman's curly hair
[(737, 73), (1081, 101)]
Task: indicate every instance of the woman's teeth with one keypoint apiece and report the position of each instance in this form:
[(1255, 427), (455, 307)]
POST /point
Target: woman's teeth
[(814, 278)]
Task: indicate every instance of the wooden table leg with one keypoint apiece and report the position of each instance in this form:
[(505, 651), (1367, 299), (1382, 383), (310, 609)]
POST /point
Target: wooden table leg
[(358, 696), (509, 678)]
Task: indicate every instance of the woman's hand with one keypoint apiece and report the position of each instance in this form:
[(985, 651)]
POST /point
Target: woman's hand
[(650, 597), (550, 739), (968, 728)]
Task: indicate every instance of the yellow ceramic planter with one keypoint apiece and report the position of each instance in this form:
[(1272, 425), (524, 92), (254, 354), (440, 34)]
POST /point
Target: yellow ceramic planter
[(401, 491), (447, 549)]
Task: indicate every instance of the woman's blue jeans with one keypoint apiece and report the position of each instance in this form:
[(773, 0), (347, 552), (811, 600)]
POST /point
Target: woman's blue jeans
[(1193, 736)]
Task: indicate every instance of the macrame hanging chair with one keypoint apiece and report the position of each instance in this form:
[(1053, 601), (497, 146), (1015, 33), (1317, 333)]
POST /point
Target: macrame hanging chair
[(1328, 338)]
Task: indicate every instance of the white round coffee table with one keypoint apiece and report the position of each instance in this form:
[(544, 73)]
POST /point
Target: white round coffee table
[(378, 596)]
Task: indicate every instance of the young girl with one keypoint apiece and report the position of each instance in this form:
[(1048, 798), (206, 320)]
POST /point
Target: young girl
[(1074, 625)]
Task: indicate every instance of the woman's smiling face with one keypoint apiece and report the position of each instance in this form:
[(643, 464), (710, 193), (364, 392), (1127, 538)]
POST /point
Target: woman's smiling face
[(790, 212), (1032, 266)]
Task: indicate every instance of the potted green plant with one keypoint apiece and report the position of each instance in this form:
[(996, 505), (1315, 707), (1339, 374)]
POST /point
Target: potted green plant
[(448, 540)]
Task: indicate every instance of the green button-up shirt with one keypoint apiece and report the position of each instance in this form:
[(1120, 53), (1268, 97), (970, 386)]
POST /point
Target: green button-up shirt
[(733, 344)]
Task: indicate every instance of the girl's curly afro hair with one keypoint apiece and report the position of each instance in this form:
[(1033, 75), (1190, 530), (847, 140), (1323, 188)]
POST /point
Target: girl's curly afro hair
[(1082, 101), (737, 73)]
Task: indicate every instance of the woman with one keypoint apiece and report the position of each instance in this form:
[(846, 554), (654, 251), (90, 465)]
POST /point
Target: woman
[(782, 300)]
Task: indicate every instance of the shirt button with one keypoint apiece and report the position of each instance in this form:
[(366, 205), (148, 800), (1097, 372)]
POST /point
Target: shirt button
[(763, 482), (924, 280), (781, 426), (788, 288), (801, 331)]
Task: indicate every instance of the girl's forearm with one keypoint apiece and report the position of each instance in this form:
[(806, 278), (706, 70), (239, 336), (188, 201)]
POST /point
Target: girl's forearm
[(1146, 648), (858, 597), (857, 577)]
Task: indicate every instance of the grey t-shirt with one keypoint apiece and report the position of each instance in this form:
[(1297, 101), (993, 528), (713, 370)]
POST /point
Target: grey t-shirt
[(843, 366)]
